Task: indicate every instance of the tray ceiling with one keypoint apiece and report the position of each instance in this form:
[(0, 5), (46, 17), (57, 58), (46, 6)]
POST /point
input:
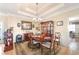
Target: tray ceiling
[(45, 10)]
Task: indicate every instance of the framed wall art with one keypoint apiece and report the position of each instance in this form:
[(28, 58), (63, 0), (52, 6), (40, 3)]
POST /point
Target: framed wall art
[(18, 24), (26, 25)]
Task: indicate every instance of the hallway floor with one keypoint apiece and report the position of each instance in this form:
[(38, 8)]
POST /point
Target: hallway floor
[(74, 46)]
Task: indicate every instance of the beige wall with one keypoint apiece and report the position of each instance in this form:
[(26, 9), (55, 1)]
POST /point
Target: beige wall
[(11, 21), (62, 29)]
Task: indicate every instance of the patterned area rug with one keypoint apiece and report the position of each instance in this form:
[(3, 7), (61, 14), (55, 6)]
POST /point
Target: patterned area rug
[(23, 49)]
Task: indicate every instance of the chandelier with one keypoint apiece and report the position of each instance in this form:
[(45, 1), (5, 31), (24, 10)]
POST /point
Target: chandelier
[(37, 18)]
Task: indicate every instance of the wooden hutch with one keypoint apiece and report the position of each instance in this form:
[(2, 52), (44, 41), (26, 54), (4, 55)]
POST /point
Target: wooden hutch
[(48, 27)]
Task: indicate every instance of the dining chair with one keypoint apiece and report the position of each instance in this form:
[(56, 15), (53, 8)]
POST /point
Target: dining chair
[(52, 45), (32, 42)]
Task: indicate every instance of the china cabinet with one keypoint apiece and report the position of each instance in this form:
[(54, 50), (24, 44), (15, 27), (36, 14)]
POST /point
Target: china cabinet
[(48, 27), (8, 38)]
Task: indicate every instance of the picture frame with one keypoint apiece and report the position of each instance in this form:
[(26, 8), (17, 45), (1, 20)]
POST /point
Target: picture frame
[(18, 24), (59, 23), (26, 25)]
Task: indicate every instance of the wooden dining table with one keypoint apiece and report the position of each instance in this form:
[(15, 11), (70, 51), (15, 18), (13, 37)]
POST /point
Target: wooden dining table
[(36, 37)]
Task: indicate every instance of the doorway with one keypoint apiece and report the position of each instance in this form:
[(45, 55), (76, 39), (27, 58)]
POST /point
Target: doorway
[(1, 32), (74, 35)]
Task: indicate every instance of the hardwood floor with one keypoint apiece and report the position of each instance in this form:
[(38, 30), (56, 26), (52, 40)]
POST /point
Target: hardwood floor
[(22, 49)]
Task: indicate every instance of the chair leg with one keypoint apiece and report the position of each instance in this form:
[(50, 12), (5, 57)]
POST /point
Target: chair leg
[(54, 48), (50, 50), (54, 52), (41, 50)]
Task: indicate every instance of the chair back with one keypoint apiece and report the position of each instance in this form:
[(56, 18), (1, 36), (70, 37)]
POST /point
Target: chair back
[(18, 37), (57, 36)]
